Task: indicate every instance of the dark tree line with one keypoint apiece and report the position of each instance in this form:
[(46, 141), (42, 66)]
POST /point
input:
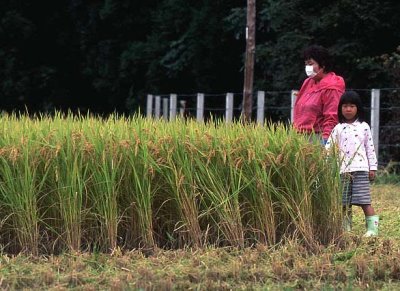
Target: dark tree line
[(107, 55)]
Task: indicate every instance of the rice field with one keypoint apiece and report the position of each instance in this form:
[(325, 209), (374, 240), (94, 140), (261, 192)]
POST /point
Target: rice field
[(138, 204), (80, 183)]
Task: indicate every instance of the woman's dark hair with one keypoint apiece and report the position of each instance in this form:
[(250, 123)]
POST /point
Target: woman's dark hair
[(320, 55), (351, 97)]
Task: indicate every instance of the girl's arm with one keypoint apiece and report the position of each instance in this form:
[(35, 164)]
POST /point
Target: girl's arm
[(370, 149), (332, 139)]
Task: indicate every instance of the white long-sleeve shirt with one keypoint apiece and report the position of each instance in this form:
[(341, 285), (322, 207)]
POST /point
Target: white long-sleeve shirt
[(357, 151)]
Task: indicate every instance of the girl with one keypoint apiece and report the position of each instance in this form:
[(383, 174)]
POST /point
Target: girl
[(352, 136)]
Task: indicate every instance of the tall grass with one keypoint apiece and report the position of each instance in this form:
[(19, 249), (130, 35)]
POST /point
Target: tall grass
[(80, 182)]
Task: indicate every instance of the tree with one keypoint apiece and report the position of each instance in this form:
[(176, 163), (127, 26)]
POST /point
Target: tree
[(355, 32), (107, 55)]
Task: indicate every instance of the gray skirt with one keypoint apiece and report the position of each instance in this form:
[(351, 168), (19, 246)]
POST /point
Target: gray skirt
[(356, 190)]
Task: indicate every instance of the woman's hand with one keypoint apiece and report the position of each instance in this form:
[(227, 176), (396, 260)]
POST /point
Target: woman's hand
[(372, 175)]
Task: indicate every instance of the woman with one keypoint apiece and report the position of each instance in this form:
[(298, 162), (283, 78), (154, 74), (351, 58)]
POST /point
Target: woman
[(315, 110)]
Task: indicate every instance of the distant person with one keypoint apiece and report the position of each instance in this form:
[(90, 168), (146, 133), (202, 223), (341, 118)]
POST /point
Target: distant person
[(315, 109), (358, 164)]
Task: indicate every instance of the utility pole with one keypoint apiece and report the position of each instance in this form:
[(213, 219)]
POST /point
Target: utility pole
[(249, 60)]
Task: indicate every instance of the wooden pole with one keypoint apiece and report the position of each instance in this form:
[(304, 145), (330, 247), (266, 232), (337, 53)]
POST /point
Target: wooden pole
[(249, 60)]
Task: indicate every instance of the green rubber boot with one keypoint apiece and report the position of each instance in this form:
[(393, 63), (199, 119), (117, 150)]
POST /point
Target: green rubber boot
[(372, 223)]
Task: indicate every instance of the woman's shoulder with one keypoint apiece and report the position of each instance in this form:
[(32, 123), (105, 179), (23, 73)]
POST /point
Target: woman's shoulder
[(331, 81)]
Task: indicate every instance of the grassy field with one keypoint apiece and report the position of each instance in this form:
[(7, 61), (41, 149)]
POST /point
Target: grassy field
[(354, 263)]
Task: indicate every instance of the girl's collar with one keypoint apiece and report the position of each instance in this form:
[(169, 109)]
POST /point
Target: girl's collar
[(355, 121)]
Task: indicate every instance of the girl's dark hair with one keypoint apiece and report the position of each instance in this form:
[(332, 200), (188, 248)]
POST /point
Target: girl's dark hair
[(320, 55), (351, 97)]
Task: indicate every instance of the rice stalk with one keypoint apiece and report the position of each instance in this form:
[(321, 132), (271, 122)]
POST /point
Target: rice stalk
[(70, 176), (140, 191), (20, 189), (221, 185), (104, 191), (178, 173)]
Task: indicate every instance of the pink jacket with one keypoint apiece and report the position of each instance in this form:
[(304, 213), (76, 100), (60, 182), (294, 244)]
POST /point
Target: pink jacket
[(316, 105)]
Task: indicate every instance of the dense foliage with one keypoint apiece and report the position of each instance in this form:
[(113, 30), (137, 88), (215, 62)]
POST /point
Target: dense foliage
[(106, 55)]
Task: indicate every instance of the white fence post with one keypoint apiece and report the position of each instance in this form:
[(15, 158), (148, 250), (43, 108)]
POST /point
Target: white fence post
[(149, 107), (375, 106), (165, 110), (182, 108), (157, 107), (200, 107), (260, 107), (293, 96), (172, 106), (229, 107)]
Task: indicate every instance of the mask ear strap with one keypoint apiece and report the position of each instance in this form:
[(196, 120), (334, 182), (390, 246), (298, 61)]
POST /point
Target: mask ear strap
[(319, 71)]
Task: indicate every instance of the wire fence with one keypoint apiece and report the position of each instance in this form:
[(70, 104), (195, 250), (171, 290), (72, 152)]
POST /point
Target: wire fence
[(382, 108)]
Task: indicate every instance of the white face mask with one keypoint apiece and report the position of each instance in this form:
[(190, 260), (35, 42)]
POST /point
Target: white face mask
[(310, 71)]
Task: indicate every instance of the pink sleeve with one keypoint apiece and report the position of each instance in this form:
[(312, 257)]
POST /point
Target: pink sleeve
[(330, 102)]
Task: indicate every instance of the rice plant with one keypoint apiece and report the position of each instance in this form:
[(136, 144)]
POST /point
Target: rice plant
[(140, 184), (177, 170), (68, 182), (80, 182), (22, 179), (221, 183), (105, 184)]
